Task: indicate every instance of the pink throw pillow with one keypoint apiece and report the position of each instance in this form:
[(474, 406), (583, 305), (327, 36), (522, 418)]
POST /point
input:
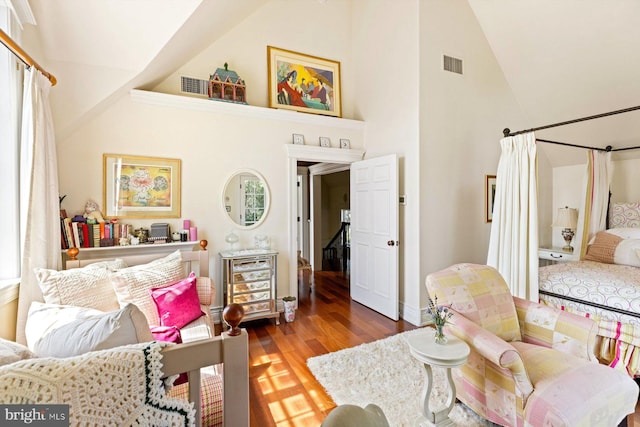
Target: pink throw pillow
[(178, 304), (170, 334)]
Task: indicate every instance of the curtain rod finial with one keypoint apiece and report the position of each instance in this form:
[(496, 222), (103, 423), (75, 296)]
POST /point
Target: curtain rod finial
[(506, 132), (608, 148)]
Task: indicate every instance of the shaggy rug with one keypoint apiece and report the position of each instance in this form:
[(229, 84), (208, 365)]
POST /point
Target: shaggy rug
[(384, 372)]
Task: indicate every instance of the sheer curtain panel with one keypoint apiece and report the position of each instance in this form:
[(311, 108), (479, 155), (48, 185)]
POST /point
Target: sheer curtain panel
[(513, 245), (39, 203)]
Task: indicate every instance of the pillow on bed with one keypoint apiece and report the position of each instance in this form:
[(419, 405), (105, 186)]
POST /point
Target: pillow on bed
[(12, 352), (89, 286), (63, 331), (178, 304), (133, 284), (625, 232), (611, 249)]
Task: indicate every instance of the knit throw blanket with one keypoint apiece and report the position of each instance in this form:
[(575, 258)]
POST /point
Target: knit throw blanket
[(122, 386)]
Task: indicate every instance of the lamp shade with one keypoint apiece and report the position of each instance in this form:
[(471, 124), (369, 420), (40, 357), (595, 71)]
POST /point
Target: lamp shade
[(567, 218)]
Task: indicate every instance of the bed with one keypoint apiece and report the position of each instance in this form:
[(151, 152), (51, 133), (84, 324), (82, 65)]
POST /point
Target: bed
[(219, 364), (605, 285)]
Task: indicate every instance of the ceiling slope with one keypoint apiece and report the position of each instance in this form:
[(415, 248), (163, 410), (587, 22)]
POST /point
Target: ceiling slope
[(100, 49), (569, 59)]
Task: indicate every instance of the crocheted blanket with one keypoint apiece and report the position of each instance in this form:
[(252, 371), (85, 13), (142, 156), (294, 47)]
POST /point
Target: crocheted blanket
[(122, 386)]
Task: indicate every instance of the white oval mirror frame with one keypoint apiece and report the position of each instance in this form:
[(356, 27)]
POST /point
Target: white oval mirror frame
[(246, 187)]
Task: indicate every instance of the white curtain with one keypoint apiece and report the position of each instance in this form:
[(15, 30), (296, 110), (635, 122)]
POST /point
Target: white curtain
[(39, 203), (513, 246), (596, 196)]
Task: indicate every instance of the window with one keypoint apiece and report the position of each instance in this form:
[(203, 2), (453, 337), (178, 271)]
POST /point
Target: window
[(10, 106), (252, 199)]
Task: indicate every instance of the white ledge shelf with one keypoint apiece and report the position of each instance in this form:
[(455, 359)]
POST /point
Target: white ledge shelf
[(202, 104)]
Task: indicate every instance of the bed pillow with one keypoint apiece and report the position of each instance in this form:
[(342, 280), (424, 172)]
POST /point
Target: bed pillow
[(624, 214), (170, 334), (89, 286), (63, 331), (178, 304), (609, 248), (133, 284), (625, 232), (12, 352)]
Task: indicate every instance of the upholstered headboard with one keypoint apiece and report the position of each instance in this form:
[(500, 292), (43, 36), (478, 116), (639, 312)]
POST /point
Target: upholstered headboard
[(624, 215)]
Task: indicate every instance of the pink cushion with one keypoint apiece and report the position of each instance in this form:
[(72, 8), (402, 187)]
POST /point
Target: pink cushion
[(166, 333), (178, 304), (170, 334)]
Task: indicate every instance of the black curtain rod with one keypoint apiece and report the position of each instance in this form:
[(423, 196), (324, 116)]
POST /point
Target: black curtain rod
[(608, 148), (507, 132)]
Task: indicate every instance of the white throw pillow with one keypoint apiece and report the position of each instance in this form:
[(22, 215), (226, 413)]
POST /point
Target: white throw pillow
[(12, 352), (62, 331), (89, 286), (625, 232), (134, 284)]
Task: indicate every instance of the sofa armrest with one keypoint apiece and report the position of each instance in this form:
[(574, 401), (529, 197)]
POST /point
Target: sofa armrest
[(553, 328), (492, 348), (206, 290)]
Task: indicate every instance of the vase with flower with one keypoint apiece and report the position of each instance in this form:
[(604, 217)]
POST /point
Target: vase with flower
[(440, 315)]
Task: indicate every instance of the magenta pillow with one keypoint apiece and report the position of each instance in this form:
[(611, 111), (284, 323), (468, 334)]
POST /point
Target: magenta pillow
[(170, 334), (178, 304)]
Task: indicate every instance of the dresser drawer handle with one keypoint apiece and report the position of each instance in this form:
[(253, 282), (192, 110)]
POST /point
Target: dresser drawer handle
[(555, 256)]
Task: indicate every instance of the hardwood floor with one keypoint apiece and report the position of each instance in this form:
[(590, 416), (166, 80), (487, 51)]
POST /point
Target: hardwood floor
[(282, 391)]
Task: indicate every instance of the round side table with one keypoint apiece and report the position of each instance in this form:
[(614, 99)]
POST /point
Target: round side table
[(452, 354)]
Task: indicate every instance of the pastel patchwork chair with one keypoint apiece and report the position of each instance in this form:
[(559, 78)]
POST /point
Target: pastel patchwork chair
[(530, 364)]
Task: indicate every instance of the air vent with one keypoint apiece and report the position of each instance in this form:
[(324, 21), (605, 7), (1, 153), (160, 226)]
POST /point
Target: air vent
[(191, 85), (452, 64)]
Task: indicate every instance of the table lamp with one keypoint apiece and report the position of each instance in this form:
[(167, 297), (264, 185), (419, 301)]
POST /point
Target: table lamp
[(567, 218)]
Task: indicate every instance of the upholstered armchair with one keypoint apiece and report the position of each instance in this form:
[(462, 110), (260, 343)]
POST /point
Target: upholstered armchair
[(530, 364)]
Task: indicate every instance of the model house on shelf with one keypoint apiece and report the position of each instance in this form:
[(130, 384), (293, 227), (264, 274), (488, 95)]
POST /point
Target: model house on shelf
[(226, 85)]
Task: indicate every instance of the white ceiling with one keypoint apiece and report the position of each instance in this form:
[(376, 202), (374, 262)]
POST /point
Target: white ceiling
[(563, 59)]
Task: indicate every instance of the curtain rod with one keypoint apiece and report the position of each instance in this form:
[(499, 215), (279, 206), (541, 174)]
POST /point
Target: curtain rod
[(23, 56), (507, 131)]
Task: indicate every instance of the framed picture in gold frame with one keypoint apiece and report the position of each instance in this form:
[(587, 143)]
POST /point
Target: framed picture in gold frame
[(140, 187), (489, 196), (303, 83)]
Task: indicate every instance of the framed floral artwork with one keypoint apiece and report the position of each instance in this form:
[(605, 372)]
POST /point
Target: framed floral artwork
[(303, 83), (141, 187)]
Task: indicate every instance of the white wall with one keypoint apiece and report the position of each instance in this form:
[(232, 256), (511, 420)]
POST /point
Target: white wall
[(385, 56), (211, 145), (461, 122)]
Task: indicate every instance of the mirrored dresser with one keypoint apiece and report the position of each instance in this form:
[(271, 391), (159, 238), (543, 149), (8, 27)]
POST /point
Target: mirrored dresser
[(249, 277)]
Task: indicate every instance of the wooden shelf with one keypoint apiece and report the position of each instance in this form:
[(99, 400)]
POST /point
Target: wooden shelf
[(143, 249), (203, 104)]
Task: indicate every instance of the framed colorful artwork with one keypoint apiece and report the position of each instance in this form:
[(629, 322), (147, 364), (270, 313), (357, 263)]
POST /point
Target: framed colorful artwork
[(303, 83), (489, 196), (141, 187)]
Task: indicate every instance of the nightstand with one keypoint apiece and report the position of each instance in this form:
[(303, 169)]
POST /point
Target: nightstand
[(554, 255)]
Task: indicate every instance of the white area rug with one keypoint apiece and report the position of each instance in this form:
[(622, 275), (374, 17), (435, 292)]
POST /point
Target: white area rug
[(384, 372)]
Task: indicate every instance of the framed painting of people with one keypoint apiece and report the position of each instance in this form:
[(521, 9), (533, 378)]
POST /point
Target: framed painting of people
[(141, 187), (303, 83)]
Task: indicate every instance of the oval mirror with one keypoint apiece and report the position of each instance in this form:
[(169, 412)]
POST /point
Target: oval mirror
[(246, 198)]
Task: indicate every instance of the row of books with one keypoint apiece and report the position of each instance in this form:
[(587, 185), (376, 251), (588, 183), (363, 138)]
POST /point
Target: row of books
[(91, 234)]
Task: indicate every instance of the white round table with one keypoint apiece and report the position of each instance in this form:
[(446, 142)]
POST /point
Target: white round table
[(452, 354)]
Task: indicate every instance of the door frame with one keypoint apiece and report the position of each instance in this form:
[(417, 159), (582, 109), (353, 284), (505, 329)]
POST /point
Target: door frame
[(297, 152)]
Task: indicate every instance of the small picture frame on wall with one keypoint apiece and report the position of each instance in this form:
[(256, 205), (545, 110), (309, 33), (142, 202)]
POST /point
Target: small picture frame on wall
[(489, 196), (325, 141), (298, 139), (345, 143)]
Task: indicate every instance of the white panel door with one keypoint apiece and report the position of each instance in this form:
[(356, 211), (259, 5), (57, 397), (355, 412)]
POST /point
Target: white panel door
[(374, 234)]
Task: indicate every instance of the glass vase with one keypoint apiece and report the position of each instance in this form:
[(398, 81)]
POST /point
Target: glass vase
[(439, 336)]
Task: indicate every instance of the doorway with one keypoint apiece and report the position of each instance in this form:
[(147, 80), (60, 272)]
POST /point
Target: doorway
[(325, 160)]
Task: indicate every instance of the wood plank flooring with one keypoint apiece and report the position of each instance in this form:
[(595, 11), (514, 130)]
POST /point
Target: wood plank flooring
[(282, 391)]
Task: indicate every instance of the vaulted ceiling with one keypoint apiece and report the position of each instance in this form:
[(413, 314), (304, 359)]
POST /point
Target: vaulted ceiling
[(563, 59)]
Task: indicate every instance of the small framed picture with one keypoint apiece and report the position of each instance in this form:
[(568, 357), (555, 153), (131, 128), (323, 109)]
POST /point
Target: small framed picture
[(298, 139), (325, 141), (345, 143), (489, 196)]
